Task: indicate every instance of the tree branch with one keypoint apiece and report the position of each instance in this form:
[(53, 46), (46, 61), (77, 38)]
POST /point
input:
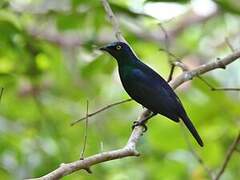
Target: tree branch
[(174, 64), (113, 21), (219, 63), (231, 149), (130, 148)]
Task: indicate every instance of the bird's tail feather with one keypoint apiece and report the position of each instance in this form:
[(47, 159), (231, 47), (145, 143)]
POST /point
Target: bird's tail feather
[(192, 129)]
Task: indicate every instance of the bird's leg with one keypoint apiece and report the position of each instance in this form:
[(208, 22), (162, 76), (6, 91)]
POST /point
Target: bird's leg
[(142, 122)]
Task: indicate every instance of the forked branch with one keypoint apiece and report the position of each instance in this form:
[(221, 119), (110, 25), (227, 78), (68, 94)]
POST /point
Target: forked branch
[(130, 148)]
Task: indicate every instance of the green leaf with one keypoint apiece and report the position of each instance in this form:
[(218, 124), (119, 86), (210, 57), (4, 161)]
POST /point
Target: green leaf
[(232, 6)]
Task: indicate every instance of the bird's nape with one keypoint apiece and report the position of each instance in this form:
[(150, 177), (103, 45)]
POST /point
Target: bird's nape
[(147, 87)]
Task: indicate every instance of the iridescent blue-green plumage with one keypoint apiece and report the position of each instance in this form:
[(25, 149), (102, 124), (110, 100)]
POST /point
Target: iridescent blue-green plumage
[(147, 87)]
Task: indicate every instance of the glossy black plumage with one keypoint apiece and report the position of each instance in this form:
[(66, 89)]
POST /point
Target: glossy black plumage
[(147, 87)]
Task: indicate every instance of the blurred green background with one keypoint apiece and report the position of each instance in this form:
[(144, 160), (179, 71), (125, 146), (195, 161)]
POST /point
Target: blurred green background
[(50, 67)]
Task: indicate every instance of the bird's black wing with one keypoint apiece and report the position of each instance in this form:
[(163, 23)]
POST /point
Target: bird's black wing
[(156, 78), (162, 97), (151, 92)]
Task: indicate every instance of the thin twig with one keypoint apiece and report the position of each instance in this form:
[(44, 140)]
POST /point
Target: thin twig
[(85, 142), (229, 44), (228, 156), (1, 93), (174, 64), (119, 37), (181, 65), (225, 89), (217, 89), (113, 21), (166, 41), (85, 135), (101, 110), (195, 154), (220, 63), (169, 54), (171, 73), (167, 50), (130, 148), (101, 146), (200, 161)]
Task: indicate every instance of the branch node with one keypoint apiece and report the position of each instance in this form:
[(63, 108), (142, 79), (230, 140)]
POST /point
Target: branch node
[(129, 149), (136, 153), (181, 65), (132, 150), (88, 170), (188, 75), (221, 64)]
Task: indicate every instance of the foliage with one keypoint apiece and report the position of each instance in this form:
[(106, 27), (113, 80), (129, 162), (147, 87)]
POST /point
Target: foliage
[(50, 67)]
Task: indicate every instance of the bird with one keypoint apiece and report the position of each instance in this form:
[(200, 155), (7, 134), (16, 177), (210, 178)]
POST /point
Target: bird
[(148, 88)]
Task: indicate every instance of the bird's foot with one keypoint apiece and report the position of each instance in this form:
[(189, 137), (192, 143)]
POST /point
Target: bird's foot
[(139, 123)]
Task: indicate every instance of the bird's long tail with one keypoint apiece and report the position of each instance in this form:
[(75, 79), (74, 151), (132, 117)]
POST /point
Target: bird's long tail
[(192, 129)]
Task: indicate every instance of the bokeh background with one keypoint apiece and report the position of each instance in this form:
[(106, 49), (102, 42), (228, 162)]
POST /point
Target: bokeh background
[(50, 67)]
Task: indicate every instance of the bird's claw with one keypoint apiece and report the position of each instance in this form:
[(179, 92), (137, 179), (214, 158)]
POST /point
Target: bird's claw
[(137, 123)]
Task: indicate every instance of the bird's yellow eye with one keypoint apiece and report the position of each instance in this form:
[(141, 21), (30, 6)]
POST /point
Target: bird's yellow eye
[(118, 47)]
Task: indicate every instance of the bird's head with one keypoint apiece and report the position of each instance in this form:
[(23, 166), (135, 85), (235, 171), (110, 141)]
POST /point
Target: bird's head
[(120, 51)]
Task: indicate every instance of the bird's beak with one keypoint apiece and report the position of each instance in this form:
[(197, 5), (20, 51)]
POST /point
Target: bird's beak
[(104, 48)]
